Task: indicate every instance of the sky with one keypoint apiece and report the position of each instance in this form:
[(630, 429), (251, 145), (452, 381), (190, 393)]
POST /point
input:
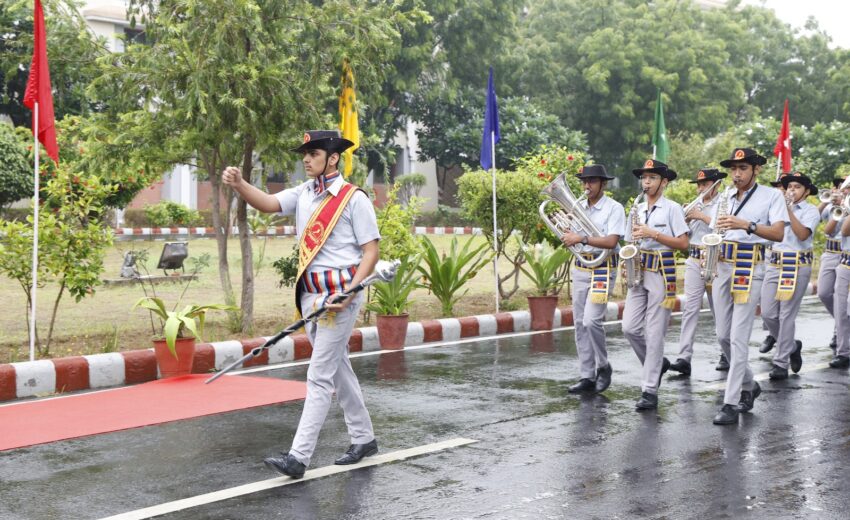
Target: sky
[(832, 15)]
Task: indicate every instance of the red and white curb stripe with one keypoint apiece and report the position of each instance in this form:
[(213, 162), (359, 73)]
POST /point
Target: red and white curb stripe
[(43, 377), (208, 232)]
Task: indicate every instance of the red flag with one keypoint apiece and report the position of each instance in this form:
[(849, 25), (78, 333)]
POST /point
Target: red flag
[(38, 87), (783, 142)]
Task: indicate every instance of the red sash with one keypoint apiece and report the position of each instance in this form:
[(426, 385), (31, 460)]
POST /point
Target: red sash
[(320, 226)]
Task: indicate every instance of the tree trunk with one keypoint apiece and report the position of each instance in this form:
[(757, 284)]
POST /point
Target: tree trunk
[(222, 229), (245, 242), (46, 350)]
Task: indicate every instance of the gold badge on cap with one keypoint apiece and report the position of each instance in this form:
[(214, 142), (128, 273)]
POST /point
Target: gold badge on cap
[(649, 164), (739, 154), (306, 138), (701, 175)]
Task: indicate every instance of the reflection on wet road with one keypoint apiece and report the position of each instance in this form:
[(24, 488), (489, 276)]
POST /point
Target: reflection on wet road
[(541, 453)]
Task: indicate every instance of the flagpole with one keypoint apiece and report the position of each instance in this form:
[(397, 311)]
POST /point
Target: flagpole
[(495, 227), (34, 236), (778, 166), (653, 151)]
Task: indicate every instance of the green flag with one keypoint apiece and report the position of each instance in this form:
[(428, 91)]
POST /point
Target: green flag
[(660, 144)]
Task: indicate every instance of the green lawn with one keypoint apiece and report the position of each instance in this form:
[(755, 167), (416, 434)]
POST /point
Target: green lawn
[(105, 322)]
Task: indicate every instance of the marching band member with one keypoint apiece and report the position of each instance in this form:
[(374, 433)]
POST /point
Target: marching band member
[(831, 256), (787, 276), (841, 300), (769, 340), (660, 229), (338, 247), (699, 222), (756, 216), (591, 286)]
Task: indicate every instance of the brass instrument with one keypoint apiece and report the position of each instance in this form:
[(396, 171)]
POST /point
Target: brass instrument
[(630, 253), (825, 195), (711, 241), (699, 202), (839, 211), (570, 216)]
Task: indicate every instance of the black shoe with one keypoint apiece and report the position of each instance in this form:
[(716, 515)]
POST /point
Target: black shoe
[(834, 343), (797, 357), (767, 344), (665, 366), (748, 398), (840, 362), (286, 464), (358, 451), (603, 378), (584, 385), (647, 401), (681, 366), (778, 373), (723, 364), (728, 414)]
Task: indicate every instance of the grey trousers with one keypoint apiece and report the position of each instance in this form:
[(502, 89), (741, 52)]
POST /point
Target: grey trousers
[(694, 289), (330, 371), (645, 324), (826, 279), (588, 318), (842, 308), (734, 325), (780, 317)]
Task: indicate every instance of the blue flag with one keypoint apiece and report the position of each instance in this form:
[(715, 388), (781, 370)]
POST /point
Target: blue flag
[(491, 125)]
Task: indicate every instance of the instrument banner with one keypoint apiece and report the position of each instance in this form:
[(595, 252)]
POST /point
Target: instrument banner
[(789, 263)]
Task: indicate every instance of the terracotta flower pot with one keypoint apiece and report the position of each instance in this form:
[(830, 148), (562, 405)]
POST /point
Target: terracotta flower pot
[(169, 366), (392, 331), (542, 309)]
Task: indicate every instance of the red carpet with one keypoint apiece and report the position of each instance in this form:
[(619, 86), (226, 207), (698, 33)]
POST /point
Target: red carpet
[(165, 400)]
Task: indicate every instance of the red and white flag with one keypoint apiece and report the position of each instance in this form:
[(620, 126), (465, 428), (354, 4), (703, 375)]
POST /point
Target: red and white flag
[(783, 142)]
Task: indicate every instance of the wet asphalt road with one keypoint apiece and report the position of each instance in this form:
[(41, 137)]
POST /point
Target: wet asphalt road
[(542, 453)]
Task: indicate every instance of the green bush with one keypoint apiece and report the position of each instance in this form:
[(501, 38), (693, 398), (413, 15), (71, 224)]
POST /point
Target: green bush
[(167, 213), (15, 171)]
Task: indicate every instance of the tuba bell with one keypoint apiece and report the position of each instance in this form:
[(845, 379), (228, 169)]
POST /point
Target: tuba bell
[(570, 216)]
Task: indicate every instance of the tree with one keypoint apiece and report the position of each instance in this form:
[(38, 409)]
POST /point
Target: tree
[(15, 172), (73, 53), (452, 123), (224, 82)]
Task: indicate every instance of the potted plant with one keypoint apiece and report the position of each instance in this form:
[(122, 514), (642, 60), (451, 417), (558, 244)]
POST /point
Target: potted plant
[(175, 348), (390, 301), (544, 266)]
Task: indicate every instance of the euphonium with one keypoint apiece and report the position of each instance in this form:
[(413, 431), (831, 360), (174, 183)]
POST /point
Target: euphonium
[(571, 216), (630, 253), (711, 241)]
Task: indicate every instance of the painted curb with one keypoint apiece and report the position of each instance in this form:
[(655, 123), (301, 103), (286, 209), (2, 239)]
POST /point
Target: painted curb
[(44, 377), (278, 231)]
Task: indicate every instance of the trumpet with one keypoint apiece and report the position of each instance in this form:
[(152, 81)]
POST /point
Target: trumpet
[(570, 216), (699, 201), (630, 252), (827, 195), (839, 211)]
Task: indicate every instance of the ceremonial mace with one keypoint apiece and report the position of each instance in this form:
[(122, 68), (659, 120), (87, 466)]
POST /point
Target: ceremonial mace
[(384, 272)]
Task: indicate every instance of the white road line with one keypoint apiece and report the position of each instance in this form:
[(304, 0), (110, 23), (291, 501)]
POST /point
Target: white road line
[(262, 485)]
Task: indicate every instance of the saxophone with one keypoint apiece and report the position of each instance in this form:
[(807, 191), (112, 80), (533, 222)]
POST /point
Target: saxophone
[(630, 253), (711, 241)]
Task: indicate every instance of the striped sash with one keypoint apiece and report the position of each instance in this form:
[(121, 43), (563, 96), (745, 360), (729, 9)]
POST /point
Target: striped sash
[(745, 257), (833, 245), (789, 263), (665, 263)]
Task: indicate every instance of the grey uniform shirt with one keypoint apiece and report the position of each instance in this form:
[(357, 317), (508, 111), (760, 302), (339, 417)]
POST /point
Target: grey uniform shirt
[(825, 218), (808, 215), (699, 228), (609, 217), (666, 217), (765, 207), (357, 224)]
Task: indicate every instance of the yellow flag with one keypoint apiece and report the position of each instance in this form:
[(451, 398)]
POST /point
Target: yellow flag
[(348, 117)]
